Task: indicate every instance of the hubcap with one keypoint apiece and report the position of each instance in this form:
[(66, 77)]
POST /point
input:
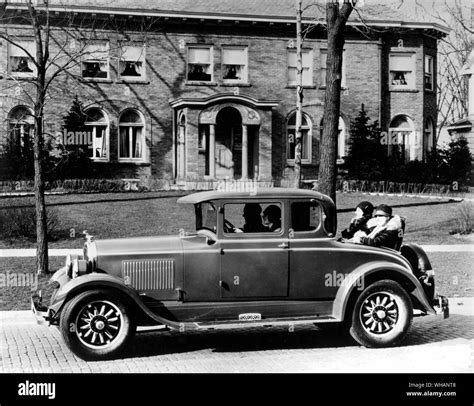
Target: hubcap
[(379, 313), (98, 324)]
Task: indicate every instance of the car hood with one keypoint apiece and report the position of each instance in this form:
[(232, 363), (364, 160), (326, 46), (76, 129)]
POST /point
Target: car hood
[(138, 245)]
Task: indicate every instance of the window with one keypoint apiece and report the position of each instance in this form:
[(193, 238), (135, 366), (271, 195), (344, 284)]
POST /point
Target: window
[(131, 133), (307, 68), (20, 132), (206, 216), (429, 83), (234, 64), (20, 63), (305, 216), (305, 139), (402, 71), (324, 59), (341, 140), (132, 63), (402, 137), (98, 134), (429, 137), (95, 61), (253, 218), (200, 66)]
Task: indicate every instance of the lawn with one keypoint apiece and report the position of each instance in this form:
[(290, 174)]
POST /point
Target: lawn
[(116, 215)]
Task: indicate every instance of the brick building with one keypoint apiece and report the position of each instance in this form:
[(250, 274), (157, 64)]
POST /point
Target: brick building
[(206, 89)]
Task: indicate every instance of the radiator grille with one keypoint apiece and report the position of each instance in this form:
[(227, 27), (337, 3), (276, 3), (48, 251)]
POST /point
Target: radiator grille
[(149, 274)]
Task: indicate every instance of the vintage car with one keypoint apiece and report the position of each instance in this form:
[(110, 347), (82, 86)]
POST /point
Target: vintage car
[(234, 271)]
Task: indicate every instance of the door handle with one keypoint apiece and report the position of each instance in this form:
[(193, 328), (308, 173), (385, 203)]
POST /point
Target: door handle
[(283, 245)]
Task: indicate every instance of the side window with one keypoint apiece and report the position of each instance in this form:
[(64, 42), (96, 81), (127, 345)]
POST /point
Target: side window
[(305, 216), (252, 218)]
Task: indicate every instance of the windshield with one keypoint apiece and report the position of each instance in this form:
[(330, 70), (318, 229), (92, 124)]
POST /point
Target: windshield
[(206, 216)]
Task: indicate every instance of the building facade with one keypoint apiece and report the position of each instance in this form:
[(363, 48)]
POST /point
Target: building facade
[(206, 90)]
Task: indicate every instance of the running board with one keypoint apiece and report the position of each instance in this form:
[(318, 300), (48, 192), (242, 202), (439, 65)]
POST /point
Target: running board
[(229, 325)]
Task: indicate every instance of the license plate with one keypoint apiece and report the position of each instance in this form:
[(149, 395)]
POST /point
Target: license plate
[(250, 316)]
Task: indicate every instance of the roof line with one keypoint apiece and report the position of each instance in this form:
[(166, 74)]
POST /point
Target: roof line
[(233, 17)]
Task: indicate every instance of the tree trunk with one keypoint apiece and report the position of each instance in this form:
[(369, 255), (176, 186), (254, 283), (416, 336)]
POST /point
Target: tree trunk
[(41, 221), (336, 21)]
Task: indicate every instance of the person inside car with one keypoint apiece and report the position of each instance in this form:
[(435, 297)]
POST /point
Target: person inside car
[(253, 219), (363, 213), (272, 218), (385, 229)]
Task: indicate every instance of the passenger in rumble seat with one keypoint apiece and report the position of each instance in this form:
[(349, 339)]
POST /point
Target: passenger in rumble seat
[(385, 229)]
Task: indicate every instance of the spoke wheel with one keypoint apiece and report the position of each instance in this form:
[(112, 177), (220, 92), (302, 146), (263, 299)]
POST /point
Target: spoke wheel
[(382, 315), (379, 313), (97, 324)]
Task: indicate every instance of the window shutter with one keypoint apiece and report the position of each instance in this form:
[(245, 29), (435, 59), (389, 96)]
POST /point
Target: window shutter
[(199, 56)]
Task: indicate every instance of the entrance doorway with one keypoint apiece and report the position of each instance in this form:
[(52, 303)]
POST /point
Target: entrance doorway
[(228, 144)]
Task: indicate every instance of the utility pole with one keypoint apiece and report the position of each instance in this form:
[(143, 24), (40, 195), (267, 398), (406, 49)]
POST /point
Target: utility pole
[(299, 92)]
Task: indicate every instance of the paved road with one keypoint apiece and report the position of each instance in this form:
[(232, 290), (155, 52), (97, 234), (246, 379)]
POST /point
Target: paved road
[(433, 345)]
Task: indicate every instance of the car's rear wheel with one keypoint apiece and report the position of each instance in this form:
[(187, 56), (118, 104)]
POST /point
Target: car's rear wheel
[(97, 324), (382, 315)]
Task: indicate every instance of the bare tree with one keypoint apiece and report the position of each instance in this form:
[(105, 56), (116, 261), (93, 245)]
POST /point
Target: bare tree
[(454, 51), (71, 28)]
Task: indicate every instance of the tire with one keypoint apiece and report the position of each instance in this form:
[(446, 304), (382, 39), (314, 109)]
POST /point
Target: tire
[(382, 315), (97, 324)]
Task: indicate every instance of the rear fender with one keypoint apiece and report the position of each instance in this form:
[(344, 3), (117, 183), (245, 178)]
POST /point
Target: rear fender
[(370, 272)]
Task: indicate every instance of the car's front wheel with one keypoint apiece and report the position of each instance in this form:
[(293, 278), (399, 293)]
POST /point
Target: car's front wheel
[(382, 315), (97, 324)]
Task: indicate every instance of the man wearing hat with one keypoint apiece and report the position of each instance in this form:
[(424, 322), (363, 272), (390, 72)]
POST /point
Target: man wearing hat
[(363, 213), (386, 230)]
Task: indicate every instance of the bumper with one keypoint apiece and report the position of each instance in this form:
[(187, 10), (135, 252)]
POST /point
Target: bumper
[(441, 305), (41, 313)]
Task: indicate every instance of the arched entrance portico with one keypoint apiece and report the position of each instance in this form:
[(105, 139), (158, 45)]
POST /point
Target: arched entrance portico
[(223, 136), (233, 141)]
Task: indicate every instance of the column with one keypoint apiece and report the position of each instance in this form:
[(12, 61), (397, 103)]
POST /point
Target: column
[(212, 151), (245, 153), (181, 152)]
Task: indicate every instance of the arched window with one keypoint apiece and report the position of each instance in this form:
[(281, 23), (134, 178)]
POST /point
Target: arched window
[(20, 130), (402, 135), (341, 150), (131, 136), (97, 127), (306, 136), (428, 139)]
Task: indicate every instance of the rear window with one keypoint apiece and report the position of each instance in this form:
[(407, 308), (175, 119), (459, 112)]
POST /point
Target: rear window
[(305, 216)]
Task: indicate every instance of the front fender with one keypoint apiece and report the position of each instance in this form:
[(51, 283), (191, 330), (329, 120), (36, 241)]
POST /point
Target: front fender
[(100, 280), (362, 274)]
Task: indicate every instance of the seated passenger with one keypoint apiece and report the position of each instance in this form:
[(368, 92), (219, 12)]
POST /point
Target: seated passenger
[(385, 229), (253, 219), (272, 218), (363, 214)]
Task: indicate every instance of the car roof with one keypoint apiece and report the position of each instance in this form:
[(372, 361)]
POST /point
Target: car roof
[(259, 193)]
